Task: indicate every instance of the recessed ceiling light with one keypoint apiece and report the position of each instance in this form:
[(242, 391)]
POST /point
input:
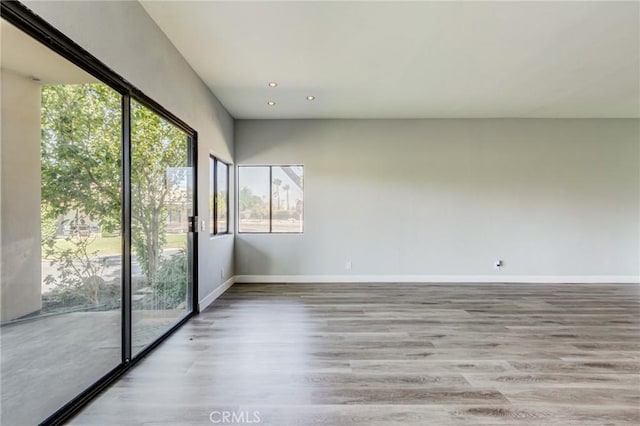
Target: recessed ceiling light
[(310, 97), (273, 84), (271, 103)]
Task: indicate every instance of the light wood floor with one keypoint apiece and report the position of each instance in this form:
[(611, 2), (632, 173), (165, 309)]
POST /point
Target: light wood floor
[(393, 354)]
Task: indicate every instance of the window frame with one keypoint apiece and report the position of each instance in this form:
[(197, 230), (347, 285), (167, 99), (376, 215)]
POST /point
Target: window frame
[(213, 182), (238, 188)]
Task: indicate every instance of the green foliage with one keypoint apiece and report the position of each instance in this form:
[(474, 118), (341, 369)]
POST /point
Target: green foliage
[(158, 153), (48, 223), (253, 203), (171, 288), (79, 270), (81, 162), (222, 204), (81, 168)]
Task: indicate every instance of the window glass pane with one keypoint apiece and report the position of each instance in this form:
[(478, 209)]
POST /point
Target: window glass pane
[(253, 199), (223, 197), (287, 199), (61, 257), (161, 203), (212, 163)]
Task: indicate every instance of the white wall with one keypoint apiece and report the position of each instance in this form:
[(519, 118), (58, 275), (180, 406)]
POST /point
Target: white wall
[(126, 39), (20, 259), (554, 199)]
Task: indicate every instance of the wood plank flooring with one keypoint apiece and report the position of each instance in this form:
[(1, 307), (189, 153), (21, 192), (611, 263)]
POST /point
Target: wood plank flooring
[(393, 354)]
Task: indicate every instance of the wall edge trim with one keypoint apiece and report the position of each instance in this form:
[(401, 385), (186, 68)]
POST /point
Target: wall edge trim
[(217, 292), (457, 279)]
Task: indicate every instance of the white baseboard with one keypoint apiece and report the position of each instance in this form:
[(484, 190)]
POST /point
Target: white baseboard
[(459, 279), (209, 298)]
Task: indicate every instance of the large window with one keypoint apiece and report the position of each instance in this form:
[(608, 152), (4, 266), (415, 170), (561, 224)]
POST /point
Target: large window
[(219, 197), (270, 199)]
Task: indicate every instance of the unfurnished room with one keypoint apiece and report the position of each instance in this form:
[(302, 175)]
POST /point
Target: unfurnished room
[(304, 213)]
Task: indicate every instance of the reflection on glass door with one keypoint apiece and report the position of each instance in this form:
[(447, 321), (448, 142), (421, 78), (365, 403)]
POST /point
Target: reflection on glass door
[(61, 174), (162, 205)]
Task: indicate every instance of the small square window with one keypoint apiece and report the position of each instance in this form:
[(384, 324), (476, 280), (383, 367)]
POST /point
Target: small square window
[(271, 199)]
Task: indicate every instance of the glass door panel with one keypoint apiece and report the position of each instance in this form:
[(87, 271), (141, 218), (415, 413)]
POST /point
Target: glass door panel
[(67, 321), (162, 206), (61, 257)]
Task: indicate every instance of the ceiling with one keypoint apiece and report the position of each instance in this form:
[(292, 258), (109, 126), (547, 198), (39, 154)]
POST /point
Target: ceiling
[(412, 59), (33, 60)]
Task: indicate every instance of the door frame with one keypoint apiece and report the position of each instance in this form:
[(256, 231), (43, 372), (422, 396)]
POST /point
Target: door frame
[(25, 20)]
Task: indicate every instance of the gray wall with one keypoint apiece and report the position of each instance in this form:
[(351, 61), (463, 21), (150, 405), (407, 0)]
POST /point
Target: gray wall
[(127, 40), (20, 257), (552, 198)]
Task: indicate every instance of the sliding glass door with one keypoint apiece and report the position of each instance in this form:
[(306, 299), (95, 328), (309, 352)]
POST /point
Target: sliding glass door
[(162, 205), (97, 208), (61, 325)]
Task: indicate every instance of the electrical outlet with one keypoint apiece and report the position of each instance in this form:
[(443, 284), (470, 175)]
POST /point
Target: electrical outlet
[(347, 266), (498, 264)]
